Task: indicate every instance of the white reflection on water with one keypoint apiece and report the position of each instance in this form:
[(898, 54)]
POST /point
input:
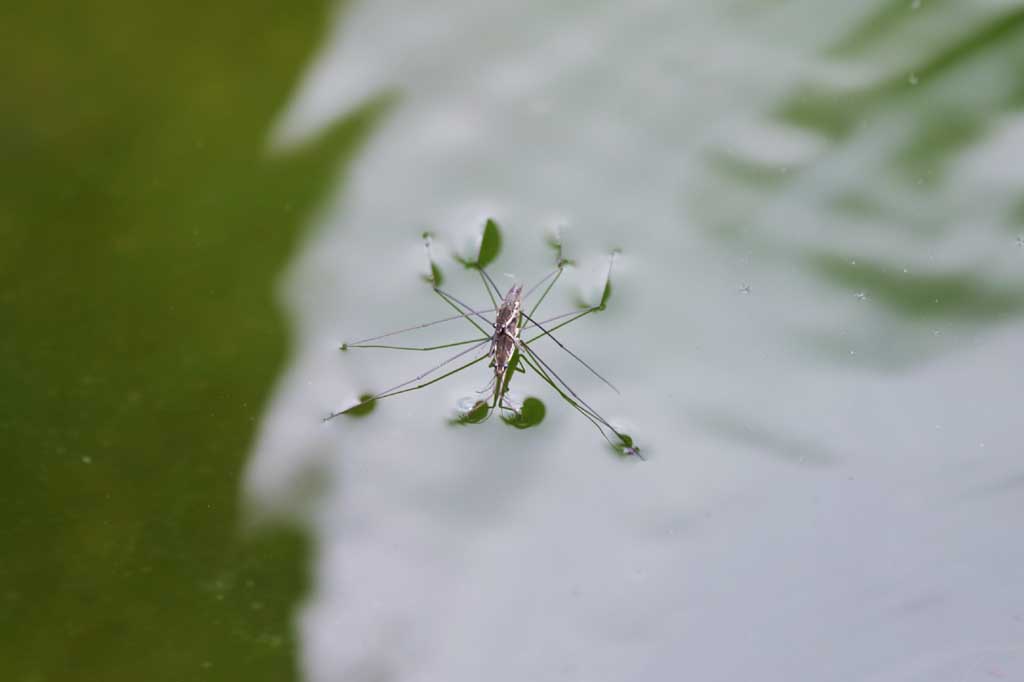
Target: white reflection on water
[(834, 488)]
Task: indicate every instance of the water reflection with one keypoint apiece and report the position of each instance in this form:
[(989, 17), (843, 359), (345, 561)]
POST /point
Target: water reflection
[(761, 168)]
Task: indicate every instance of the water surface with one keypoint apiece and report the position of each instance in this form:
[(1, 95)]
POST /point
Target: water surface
[(815, 326)]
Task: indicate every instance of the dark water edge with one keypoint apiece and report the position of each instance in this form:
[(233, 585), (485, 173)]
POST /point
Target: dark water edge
[(143, 227)]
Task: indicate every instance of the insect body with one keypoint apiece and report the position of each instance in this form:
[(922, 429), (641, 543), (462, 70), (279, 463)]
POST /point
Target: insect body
[(508, 350), (506, 331)]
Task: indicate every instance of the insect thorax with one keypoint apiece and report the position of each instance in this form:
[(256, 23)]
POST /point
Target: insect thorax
[(506, 330)]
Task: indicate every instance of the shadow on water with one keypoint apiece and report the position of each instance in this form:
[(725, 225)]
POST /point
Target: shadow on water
[(143, 228), (766, 439), (877, 206), (529, 415), (838, 114)]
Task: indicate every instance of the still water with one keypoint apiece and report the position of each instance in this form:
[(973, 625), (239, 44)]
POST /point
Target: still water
[(815, 327)]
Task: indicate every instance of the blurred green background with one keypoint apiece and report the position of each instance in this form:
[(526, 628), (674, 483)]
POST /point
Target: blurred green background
[(143, 224)]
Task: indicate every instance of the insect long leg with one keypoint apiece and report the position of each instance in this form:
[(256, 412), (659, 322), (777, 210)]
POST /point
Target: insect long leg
[(458, 369), (577, 313), (419, 348), (489, 387), (500, 383), (456, 303), (563, 347), (549, 371), (599, 422), (487, 280), (491, 286), (587, 311), (413, 388), (461, 314), (547, 379), (490, 294), (556, 271), (466, 311), (395, 390)]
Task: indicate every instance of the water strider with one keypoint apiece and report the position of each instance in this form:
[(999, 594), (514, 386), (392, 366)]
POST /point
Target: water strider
[(507, 349)]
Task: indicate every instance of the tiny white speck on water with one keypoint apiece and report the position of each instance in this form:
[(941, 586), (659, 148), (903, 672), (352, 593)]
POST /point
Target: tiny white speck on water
[(745, 289), (912, 79), (853, 262), (936, 332), (905, 271), (981, 445), (853, 352), (861, 296), (87, 460)]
